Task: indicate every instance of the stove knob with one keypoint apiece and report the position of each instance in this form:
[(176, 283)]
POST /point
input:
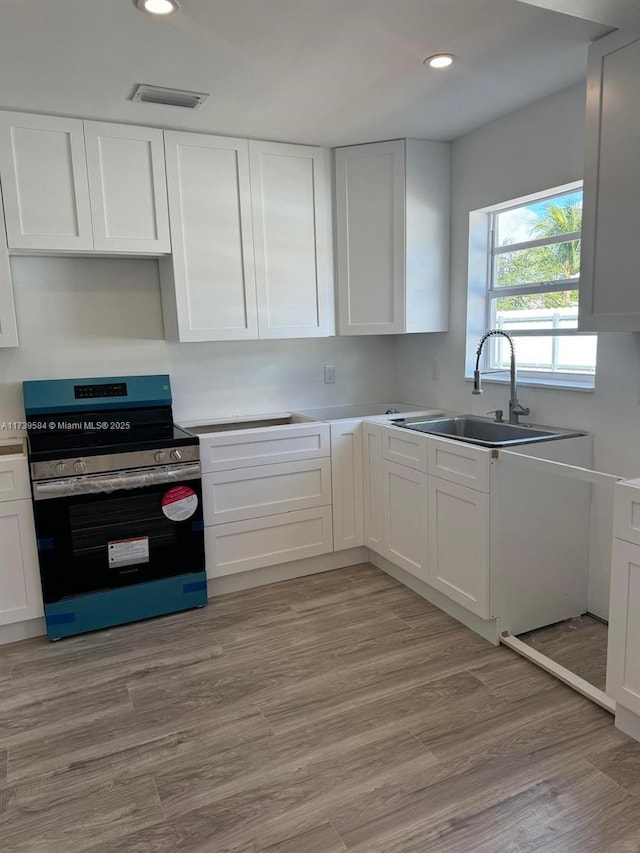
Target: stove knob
[(160, 456), (80, 466), (62, 468), (176, 455)]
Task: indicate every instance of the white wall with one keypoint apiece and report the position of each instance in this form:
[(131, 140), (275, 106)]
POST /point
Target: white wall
[(96, 317), (538, 147)]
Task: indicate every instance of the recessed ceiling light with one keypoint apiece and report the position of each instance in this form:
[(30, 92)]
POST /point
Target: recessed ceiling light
[(440, 60), (158, 7)]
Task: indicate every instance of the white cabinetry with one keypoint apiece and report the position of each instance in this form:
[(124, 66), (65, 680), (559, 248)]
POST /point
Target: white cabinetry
[(392, 226), (44, 182), (290, 202), (80, 186), (405, 510), (372, 487), (609, 295), (249, 227), (459, 544), (267, 496), (8, 324), (20, 593), (623, 663), (346, 473), (127, 188), (209, 283)]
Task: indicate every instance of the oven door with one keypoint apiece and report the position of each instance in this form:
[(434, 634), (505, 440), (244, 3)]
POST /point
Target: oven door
[(102, 532)]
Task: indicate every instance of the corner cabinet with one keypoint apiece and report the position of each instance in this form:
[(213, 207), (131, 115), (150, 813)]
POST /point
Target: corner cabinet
[(609, 294), (393, 237), (77, 186), (251, 250)]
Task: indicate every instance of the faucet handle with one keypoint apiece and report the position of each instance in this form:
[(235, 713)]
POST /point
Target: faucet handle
[(499, 415)]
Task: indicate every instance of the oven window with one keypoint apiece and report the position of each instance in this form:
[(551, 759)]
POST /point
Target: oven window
[(95, 524)]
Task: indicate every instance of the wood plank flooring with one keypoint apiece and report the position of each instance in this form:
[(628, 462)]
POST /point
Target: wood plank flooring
[(338, 712), (579, 644)]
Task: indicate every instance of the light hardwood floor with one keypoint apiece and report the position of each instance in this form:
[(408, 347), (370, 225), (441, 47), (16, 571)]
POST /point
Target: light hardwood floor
[(338, 712)]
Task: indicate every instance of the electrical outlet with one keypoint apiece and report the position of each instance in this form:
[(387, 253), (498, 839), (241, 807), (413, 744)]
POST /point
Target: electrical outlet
[(329, 374), (435, 369)]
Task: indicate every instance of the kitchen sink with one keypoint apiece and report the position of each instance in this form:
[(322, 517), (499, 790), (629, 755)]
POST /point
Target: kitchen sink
[(485, 432)]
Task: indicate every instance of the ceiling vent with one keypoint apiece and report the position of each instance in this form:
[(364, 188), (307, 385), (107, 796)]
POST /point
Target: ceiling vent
[(147, 94)]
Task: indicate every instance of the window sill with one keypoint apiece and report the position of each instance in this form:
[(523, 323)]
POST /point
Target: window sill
[(528, 382)]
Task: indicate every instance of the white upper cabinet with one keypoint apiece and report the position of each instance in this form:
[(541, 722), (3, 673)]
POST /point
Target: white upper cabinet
[(249, 230), (44, 182), (609, 292), (392, 229), (80, 186), (127, 188), (291, 207), (8, 327), (209, 282)]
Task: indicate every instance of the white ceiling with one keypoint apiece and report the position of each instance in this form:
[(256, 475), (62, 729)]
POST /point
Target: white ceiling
[(318, 71)]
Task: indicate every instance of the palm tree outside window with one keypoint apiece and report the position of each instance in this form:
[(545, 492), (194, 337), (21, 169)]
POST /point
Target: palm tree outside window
[(534, 286)]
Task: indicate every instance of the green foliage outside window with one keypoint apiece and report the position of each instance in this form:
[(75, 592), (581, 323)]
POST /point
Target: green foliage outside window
[(556, 262)]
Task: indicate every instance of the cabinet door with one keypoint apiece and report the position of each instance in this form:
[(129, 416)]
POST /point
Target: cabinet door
[(370, 223), (405, 515), (290, 203), (372, 487), (623, 663), (20, 593), (209, 281), (459, 544), (346, 478), (44, 182), (609, 293), (128, 188), (8, 325)]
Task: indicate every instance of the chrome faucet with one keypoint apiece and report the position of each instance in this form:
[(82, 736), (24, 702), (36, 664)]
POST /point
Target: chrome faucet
[(515, 409)]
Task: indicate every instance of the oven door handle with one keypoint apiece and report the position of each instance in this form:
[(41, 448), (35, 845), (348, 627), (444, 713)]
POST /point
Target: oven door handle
[(106, 484)]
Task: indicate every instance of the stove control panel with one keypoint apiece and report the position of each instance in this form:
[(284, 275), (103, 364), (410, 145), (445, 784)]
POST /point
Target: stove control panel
[(107, 389), (127, 461)]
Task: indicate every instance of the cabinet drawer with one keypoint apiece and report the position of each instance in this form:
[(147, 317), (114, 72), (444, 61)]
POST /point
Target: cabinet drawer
[(234, 449), (263, 490), (14, 479), (244, 545), (404, 448), (626, 513), (459, 463)]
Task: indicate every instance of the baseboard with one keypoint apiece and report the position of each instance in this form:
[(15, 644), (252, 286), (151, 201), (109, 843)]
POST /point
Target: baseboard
[(22, 631), (286, 571), (487, 628), (628, 722)]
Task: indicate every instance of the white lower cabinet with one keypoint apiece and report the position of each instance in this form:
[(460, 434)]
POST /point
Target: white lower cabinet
[(253, 544), (346, 473), (20, 592), (405, 502), (372, 487), (259, 515), (623, 665), (459, 544)]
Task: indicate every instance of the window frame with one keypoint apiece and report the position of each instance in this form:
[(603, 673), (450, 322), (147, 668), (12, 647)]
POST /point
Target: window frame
[(482, 287)]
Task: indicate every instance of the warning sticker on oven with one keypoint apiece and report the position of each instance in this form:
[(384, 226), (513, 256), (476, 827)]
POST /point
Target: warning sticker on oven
[(179, 503), (128, 552)]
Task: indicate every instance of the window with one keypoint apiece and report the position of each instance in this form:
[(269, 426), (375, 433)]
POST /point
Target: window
[(531, 288)]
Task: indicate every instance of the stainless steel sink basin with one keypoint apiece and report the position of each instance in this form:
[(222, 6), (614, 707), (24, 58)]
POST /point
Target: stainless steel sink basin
[(483, 431)]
